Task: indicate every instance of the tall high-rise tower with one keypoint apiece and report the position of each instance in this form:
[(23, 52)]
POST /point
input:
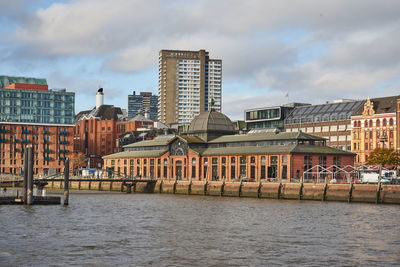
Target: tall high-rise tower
[(189, 82)]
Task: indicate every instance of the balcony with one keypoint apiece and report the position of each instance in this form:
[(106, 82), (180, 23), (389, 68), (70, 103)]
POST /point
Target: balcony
[(62, 158), (25, 131), (46, 132), (63, 142), (63, 133), (16, 140), (46, 141), (47, 150), (65, 151), (3, 130), (24, 140), (47, 158)]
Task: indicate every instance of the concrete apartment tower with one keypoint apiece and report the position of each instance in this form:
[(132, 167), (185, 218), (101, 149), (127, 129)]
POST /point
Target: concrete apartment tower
[(189, 82)]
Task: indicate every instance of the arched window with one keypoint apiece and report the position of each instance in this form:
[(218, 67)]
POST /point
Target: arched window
[(355, 124), (365, 123), (378, 123), (371, 123), (391, 122), (384, 122)]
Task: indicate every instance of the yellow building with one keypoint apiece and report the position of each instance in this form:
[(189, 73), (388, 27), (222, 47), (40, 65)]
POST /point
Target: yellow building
[(375, 125)]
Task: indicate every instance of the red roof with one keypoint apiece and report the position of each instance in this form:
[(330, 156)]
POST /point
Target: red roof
[(28, 86)]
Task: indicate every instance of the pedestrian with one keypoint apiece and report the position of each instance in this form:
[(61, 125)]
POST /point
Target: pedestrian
[(5, 191)]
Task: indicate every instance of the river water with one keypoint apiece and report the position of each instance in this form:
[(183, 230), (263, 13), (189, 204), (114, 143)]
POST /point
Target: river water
[(110, 229)]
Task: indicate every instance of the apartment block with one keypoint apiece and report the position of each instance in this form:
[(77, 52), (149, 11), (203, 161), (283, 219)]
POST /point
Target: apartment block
[(33, 115), (189, 82)]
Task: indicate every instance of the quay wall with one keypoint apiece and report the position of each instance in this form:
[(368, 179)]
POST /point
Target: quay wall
[(368, 193)]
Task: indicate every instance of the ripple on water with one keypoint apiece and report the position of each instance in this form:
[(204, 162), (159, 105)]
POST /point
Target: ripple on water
[(170, 230)]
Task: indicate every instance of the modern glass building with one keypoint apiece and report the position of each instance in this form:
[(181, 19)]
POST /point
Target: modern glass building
[(145, 102), (31, 106), (269, 117)]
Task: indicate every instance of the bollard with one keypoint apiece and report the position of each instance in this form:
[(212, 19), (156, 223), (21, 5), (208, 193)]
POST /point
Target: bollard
[(30, 176), (66, 181)]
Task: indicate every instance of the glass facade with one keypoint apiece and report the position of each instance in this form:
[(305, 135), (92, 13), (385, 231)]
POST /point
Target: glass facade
[(145, 102), (7, 80), (53, 106), (323, 113), (267, 118)]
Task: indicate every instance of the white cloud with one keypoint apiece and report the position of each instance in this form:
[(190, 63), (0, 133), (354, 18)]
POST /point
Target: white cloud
[(358, 42)]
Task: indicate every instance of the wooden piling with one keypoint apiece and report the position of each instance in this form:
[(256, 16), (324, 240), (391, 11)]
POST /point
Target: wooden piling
[(301, 188), (25, 193), (350, 191), (66, 182), (378, 189), (325, 189), (30, 176)]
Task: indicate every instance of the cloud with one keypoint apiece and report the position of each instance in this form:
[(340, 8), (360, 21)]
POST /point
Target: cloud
[(344, 49)]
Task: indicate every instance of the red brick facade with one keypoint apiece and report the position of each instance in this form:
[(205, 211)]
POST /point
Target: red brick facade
[(51, 143), (229, 167)]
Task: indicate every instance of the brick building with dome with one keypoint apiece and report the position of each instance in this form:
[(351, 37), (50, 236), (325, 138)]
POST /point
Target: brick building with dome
[(212, 151)]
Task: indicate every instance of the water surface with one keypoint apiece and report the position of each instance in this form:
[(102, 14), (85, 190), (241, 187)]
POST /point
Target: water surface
[(105, 229)]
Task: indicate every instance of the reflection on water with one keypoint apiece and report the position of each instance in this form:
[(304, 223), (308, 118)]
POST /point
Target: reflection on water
[(139, 229)]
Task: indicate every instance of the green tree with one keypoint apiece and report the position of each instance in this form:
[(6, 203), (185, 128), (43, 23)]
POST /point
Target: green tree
[(384, 157)]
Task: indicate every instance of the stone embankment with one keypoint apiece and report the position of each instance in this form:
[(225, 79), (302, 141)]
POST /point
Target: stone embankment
[(369, 193)]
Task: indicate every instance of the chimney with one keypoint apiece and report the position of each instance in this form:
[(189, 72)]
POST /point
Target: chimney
[(99, 98)]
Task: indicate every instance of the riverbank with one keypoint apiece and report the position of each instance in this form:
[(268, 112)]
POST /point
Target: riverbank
[(368, 193)]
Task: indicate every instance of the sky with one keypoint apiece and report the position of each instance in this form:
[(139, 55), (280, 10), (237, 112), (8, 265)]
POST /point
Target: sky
[(273, 52)]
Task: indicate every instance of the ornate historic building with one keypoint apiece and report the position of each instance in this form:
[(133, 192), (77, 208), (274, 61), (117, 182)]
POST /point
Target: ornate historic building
[(375, 124), (212, 151)]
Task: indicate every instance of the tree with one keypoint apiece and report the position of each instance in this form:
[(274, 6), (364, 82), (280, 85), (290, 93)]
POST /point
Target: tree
[(79, 160), (384, 157)]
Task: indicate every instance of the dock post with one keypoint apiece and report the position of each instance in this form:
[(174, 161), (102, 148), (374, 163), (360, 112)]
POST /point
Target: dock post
[(378, 190), (190, 186), (30, 176), (66, 181), (301, 188), (325, 188), (25, 192), (222, 187)]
